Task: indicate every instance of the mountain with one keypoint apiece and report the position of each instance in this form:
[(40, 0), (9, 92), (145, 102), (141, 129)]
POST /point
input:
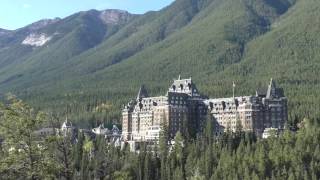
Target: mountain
[(96, 58), (54, 41), (3, 31)]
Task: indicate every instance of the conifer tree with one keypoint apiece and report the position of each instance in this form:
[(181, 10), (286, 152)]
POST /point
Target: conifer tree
[(209, 130), (148, 167), (24, 156), (99, 160), (163, 149)]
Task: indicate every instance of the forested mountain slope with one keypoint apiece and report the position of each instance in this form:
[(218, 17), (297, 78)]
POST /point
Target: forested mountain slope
[(214, 41), (48, 44)]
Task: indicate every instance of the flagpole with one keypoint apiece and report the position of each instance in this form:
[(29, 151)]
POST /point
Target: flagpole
[(233, 85)]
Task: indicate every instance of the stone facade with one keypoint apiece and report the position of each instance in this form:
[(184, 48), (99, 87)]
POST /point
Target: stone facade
[(267, 109), (183, 104), (144, 116)]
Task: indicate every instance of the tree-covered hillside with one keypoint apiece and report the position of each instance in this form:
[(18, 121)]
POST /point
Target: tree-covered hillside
[(214, 41), (25, 154)]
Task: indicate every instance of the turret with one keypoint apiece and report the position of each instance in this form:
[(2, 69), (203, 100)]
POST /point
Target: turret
[(66, 124), (184, 86), (143, 93), (67, 127), (271, 92)]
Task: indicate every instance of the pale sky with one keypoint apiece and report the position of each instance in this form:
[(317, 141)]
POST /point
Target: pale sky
[(18, 13)]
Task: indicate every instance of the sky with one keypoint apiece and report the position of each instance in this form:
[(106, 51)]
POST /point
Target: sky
[(15, 14)]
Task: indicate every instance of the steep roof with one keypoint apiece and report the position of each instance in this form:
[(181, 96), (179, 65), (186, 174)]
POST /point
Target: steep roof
[(273, 91), (184, 86), (66, 124), (143, 93), (261, 92)]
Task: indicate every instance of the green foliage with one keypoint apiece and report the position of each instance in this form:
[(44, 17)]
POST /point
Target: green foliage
[(60, 147), (214, 41), (89, 70), (292, 155), (22, 156)]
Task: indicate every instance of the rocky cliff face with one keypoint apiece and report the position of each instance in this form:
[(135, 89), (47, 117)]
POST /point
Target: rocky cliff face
[(41, 32), (42, 23), (36, 40), (33, 34), (63, 38), (112, 16)]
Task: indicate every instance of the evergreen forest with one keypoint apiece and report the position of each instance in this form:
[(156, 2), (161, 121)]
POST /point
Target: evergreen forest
[(238, 155)]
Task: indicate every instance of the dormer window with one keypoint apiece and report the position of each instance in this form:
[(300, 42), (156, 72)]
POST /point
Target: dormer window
[(211, 105), (181, 86), (223, 105), (174, 87)]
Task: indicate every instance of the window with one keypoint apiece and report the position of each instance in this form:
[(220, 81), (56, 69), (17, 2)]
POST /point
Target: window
[(174, 87)]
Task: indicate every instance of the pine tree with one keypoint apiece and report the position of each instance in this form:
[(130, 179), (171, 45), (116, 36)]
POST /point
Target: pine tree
[(78, 151), (178, 174), (24, 156), (64, 156), (197, 175), (163, 150), (99, 160), (179, 152), (209, 130), (147, 167), (209, 161), (86, 169)]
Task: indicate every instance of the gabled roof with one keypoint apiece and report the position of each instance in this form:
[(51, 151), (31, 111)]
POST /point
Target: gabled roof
[(100, 130), (143, 93), (261, 92), (185, 86), (271, 89), (66, 124)]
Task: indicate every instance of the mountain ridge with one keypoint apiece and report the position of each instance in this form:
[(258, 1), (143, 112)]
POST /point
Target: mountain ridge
[(214, 41)]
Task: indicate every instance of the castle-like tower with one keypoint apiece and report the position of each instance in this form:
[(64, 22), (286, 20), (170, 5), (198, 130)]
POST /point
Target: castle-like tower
[(183, 106), (267, 109)]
